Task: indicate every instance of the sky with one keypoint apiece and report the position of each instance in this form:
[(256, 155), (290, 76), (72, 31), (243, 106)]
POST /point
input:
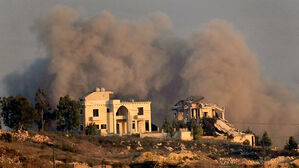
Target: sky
[(270, 28)]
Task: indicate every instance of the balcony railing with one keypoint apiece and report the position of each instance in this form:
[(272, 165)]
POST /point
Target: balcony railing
[(121, 117), (139, 117)]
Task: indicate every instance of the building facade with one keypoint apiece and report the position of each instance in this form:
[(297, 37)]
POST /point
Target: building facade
[(113, 116)]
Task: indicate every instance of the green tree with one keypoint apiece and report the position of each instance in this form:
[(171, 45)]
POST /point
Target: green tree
[(91, 129), (168, 127), (68, 114), (42, 106), (17, 112), (196, 129), (266, 141), (291, 144)]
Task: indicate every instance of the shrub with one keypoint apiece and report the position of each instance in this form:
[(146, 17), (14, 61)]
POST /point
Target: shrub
[(67, 148), (91, 129), (291, 144), (6, 137), (246, 142), (22, 159)]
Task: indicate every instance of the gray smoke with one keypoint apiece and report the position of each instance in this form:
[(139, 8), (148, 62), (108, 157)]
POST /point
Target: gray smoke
[(145, 60)]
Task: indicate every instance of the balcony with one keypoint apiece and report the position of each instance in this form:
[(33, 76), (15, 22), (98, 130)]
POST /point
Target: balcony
[(94, 118), (139, 117), (121, 117)]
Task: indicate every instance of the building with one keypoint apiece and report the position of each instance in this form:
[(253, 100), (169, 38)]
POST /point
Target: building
[(113, 116), (193, 108)]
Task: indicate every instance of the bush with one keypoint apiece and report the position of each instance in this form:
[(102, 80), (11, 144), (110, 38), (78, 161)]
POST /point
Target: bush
[(291, 144), (67, 148), (22, 159), (246, 142), (92, 129), (168, 127), (6, 137), (196, 128)]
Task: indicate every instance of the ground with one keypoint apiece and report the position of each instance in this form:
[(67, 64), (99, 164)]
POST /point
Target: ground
[(36, 150)]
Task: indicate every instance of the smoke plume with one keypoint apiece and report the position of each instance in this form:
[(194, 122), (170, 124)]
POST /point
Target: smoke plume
[(145, 60)]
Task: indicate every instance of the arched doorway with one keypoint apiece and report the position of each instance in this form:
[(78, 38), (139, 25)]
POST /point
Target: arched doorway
[(122, 120)]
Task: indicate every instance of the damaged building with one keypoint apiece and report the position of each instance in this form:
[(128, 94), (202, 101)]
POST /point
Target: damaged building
[(193, 107)]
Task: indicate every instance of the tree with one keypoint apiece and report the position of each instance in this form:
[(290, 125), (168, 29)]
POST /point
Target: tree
[(257, 140), (291, 144), (91, 129), (68, 114), (266, 141), (196, 128), (42, 106), (17, 112), (168, 127), (0, 113)]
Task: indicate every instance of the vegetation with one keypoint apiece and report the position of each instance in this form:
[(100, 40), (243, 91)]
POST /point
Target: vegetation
[(68, 114), (256, 137), (17, 112), (196, 128), (168, 127), (6, 137), (291, 145), (246, 142), (42, 106), (266, 141), (91, 129)]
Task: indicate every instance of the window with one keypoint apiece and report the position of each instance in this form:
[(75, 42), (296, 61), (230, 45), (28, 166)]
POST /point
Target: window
[(98, 127), (205, 114), (140, 110), (81, 127), (95, 112), (133, 126), (108, 110), (81, 111), (103, 126)]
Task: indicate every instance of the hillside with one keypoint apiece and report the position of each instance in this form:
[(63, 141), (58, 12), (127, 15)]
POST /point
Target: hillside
[(32, 150)]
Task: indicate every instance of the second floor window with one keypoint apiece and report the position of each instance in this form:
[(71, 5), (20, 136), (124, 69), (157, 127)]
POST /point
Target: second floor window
[(95, 112), (140, 110)]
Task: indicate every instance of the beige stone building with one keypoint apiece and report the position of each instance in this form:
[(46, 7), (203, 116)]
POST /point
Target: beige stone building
[(113, 116)]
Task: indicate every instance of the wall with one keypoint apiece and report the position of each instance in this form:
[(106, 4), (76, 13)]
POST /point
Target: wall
[(241, 139), (161, 135)]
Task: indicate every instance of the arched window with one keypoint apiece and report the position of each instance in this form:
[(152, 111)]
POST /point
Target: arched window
[(122, 111)]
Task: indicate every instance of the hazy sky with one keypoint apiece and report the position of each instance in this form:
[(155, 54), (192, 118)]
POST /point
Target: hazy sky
[(270, 27)]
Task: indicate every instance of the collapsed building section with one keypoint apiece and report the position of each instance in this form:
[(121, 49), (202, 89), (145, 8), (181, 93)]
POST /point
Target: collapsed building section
[(193, 107)]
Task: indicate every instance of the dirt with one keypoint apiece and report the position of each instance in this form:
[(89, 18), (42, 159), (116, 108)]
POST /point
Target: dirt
[(36, 150)]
